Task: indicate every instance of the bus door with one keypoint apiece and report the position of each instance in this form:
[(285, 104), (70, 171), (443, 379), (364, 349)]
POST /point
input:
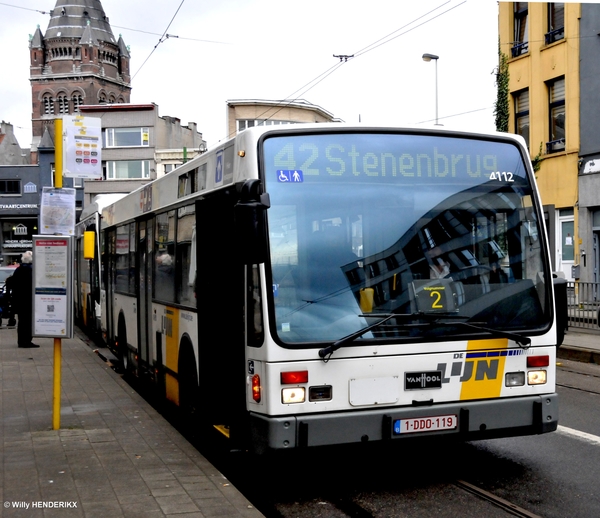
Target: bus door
[(144, 261), (220, 302), (109, 273)]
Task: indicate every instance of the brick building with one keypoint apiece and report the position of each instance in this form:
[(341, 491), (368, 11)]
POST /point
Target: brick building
[(77, 61)]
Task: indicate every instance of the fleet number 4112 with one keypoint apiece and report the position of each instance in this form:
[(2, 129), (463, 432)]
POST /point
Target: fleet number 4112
[(502, 176)]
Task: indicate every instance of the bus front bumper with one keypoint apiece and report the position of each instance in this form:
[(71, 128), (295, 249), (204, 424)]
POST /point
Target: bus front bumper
[(471, 420)]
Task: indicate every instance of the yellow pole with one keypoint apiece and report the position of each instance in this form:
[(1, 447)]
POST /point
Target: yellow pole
[(58, 182), (56, 393)]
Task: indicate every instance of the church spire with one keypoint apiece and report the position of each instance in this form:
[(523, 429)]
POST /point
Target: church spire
[(70, 18), (77, 61)]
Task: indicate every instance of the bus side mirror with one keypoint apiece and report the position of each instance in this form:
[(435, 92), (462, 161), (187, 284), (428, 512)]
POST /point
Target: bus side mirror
[(250, 214), (89, 248)]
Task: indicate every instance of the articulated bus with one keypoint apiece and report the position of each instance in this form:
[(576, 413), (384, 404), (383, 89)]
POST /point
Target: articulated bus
[(314, 285)]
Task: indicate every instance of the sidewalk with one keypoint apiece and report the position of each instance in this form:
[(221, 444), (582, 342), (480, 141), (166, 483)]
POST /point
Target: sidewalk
[(581, 345), (114, 455)]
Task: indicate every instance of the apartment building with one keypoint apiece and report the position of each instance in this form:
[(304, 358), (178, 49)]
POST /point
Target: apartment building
[(542, 42)]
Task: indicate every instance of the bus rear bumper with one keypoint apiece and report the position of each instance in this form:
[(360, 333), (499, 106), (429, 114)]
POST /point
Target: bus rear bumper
[(483, 419)]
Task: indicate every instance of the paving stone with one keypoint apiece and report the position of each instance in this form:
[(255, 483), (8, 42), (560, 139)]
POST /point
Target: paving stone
[(114, 454)]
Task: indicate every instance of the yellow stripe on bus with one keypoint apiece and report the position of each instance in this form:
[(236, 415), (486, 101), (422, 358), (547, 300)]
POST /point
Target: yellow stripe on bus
[(484, 375), (172, 355)]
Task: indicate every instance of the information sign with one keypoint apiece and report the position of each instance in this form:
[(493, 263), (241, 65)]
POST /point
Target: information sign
[(52, 296), (57, 213)]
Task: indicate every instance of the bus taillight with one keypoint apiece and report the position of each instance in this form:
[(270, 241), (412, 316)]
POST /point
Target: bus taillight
[(294, 377), (256, 388), (538, 361)]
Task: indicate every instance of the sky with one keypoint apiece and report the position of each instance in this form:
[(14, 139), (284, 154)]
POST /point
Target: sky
[(284, 50)]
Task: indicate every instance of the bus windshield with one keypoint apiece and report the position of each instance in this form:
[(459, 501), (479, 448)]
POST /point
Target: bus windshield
[(367, 225)]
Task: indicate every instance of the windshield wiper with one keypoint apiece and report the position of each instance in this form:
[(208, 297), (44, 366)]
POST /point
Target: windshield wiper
[(522, 341), (434, 319), (326, 352)]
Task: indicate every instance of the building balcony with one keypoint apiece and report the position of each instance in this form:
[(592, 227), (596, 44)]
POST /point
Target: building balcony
[(555, 35), (555, 145), (520, 49)]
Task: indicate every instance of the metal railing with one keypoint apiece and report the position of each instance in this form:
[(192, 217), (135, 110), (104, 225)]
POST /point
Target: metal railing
[(520, 48), (583, 304), (555, 35)]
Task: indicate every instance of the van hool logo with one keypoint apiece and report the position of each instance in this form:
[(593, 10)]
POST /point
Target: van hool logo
[(422, 380)]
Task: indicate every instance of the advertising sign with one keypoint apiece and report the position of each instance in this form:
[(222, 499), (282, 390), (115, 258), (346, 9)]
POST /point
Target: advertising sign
[(52, 296)]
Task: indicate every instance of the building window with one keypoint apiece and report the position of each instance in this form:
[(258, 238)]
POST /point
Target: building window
[(243, 124), (127, 169), (556, 22), (170, 167), (557, 112), (126, 137), (48, 105), (521, 22), (10, 187), (63, 103), (77, 101), (522, 114)]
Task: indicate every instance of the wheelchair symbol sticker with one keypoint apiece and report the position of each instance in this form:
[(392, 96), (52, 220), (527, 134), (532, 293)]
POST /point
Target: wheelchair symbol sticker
[(290, 176), (219, 168)]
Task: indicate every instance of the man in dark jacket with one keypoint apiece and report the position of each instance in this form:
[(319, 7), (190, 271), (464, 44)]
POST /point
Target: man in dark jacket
[(8, 301), (22, 298)]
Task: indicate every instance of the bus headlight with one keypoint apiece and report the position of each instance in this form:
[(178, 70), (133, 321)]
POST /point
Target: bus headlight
[(293, 395), (515, 379), (536, 377)]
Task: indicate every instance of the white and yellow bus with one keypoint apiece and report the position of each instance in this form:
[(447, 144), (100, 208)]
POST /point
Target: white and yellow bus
[(309, 285)]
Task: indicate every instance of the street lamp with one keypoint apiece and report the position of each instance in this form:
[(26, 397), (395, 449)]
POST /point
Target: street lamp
[(429, 57)]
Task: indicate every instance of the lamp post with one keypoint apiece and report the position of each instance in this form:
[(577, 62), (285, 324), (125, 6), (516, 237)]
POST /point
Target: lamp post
[(429, 57)]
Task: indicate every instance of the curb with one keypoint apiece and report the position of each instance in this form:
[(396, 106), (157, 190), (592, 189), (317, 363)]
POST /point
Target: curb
[(578, 354)]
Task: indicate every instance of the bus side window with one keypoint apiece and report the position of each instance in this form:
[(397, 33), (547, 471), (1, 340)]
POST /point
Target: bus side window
[(165, 276), (164, 259), (186, 260)]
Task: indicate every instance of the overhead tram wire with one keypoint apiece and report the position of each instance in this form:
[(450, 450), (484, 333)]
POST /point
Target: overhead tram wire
[(121, 27), (456, 114), (162, 38), (170, 36), (385, 39), (314, 82), (24, 8), (382, 41)]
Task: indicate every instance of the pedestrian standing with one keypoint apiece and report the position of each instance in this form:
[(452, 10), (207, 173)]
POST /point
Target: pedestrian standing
[(23, 279)]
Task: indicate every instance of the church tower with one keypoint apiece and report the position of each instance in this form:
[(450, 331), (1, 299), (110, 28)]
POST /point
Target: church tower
[(78, 61)]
